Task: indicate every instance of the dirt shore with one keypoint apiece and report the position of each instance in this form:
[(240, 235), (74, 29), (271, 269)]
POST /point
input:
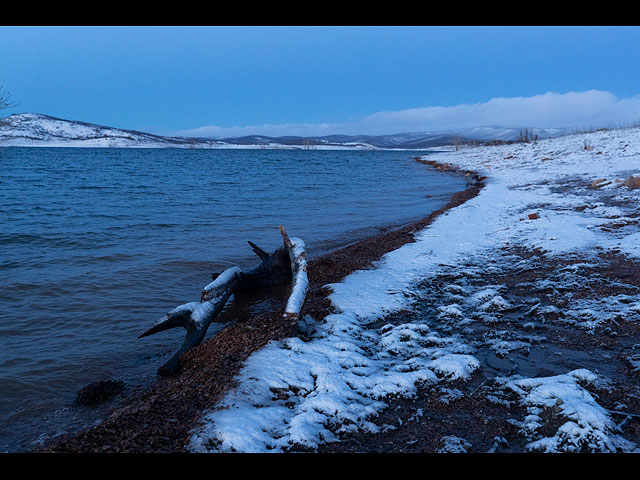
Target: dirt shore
[(478, 415), (159, 420)]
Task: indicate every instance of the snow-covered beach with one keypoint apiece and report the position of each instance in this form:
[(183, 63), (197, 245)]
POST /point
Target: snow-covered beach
[(515, 315), (538, 206)]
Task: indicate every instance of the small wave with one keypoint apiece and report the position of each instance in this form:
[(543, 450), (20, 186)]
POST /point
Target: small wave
[(20, 238), (113, 258)]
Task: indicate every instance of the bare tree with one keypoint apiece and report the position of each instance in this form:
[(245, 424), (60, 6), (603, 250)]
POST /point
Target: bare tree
[(5, 102), (5, 99)]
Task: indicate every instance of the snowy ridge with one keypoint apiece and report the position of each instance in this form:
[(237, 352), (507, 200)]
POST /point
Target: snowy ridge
[(32, 129), (296, 393), (37, 130)]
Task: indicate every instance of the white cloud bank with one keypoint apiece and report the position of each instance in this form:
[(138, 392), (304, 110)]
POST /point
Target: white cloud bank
[(593, 108)]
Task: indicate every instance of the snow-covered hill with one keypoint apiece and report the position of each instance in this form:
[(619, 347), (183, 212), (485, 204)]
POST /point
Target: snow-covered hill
[(38, 130), (504, 133), (33, 129)]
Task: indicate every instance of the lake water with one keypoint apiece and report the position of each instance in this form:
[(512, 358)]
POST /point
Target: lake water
[(97, 244)]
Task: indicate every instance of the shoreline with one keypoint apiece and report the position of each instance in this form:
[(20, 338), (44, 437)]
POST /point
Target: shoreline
[(548, 302), (160, 418), (512, 324)]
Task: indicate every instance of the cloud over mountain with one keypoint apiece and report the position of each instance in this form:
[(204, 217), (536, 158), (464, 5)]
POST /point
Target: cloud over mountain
[(592, 108)]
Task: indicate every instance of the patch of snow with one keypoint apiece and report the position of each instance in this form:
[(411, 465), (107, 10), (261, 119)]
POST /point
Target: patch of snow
[(586, 426), (332, 384), (453, 444)]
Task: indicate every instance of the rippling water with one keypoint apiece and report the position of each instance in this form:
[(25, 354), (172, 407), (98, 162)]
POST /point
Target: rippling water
[(96, 244)]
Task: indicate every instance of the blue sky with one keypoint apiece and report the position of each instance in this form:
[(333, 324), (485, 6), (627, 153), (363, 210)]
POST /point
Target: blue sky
[(223, 81)]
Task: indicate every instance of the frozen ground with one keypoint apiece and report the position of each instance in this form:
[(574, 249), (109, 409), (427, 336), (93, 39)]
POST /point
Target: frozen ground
[(524, 301)]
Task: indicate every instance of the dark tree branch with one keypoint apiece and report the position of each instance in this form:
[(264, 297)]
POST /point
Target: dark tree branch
[(5, 99)]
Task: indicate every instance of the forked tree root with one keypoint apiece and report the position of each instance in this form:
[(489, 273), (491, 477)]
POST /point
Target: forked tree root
[(287, 264)]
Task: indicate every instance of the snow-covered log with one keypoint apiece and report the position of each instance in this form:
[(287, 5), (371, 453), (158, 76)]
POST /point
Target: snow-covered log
[(299, 281), (287, 263), (196, 317)]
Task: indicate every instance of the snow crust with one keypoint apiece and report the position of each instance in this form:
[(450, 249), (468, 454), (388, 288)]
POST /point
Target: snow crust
[(299, 392)]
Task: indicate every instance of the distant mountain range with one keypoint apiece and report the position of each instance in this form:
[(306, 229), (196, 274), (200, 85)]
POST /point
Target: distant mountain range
[(34, 129)]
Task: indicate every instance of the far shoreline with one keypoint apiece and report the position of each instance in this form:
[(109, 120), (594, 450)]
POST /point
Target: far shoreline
[(302, 148)]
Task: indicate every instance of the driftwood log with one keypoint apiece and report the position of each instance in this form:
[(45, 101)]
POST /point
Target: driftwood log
[(287, 264)]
